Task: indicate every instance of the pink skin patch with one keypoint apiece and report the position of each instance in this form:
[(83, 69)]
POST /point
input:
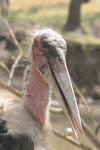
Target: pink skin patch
[(38, 90), (38, 53)]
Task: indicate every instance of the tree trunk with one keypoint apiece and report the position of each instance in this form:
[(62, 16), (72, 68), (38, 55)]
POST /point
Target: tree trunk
[(74, 15), (4, 4)]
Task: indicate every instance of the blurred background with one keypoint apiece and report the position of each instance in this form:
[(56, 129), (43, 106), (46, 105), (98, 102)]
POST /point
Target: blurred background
[(79, 22)]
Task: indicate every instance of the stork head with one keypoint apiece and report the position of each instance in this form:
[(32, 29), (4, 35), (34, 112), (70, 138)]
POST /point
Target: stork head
[(48, 53)]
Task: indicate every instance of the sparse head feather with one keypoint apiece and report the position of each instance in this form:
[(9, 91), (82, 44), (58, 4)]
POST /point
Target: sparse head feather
[(51, 37)]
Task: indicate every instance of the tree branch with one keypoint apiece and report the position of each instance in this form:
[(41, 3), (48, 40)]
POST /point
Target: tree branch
[(5, 67), (90, 135), (85, 103), (19, 56), (10, 89), (72, 140), (86, 128)]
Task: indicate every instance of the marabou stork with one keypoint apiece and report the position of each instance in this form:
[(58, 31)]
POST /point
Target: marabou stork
[(24, 124), (4, 4)]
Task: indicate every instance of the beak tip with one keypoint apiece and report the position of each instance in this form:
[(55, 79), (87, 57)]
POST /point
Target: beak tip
[(81, 131), (76, 135), (80, 128)]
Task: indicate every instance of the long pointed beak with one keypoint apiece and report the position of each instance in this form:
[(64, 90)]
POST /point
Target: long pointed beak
[(63, 91), (50, 61)]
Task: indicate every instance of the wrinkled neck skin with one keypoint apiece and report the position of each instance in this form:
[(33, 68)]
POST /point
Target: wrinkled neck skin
[(37, 104)]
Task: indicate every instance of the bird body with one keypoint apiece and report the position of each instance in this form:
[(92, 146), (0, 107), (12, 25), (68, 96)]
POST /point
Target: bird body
[(19, 126), (25, 124)]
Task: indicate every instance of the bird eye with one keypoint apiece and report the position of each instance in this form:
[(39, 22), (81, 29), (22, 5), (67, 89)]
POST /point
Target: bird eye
[(44, 45)]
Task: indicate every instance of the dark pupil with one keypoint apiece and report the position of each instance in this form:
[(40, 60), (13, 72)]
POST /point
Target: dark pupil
[(44, 45)]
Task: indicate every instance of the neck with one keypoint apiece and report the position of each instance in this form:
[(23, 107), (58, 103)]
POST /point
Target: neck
[(37, 97)]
